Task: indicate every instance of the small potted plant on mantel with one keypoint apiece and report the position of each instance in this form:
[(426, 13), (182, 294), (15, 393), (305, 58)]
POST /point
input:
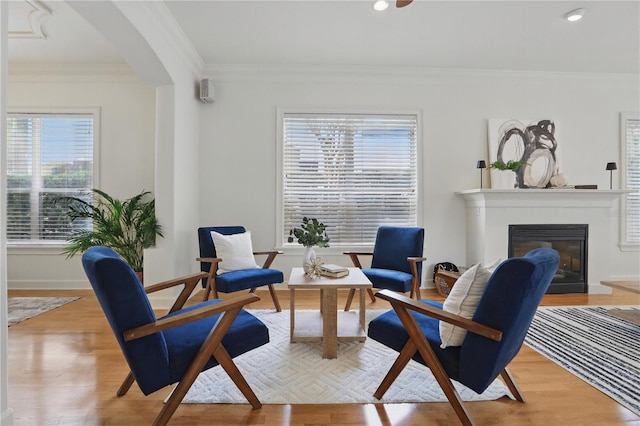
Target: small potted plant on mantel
[(503, 175), (310, 234)]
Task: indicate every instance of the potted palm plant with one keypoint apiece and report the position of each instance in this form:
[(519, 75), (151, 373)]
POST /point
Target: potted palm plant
[(128, 226)]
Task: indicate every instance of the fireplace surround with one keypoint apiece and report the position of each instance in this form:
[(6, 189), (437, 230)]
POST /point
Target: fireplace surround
[(489, 212)]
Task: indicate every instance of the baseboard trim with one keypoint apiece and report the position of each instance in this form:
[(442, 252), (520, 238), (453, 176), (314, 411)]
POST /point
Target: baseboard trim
[(48, 285), (599, 289)]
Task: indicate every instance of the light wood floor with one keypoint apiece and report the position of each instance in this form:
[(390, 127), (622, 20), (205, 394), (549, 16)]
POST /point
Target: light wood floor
[(65, 367)]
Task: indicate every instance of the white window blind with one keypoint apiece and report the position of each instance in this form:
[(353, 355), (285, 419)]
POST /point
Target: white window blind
[(631, 150), (353, 172), (48, 156)]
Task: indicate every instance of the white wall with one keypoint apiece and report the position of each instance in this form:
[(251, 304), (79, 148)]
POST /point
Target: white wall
[(238, 145), (127, 152), (238, 138)]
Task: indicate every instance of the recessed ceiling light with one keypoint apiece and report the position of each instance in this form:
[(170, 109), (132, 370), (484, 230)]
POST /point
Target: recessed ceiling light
[(574, 15), (380, 5)]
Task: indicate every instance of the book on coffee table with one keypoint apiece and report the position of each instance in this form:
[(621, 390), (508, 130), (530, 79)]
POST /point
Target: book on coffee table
[(333, 271)]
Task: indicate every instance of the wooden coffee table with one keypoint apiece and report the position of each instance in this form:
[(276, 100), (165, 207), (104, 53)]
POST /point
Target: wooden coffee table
[(328, 325), (632, 315)]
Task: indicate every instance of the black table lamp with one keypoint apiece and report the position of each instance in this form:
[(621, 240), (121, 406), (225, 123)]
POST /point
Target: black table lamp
[(611, 167), (482, 165)]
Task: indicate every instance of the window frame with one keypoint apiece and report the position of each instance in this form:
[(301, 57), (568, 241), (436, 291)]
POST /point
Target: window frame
[(281, 243), (624, 244), (42, 246)]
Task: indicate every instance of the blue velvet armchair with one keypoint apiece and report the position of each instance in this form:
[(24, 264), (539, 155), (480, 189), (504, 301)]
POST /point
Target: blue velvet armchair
[(396, 263), (494, 337), (229, 282), (178, 346)]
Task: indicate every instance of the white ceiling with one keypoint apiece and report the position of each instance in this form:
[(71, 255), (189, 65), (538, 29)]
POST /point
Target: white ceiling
[(501, 35)]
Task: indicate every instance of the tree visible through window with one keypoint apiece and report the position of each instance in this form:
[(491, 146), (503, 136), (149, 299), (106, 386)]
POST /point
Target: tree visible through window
[(48, 156), (354, 172)]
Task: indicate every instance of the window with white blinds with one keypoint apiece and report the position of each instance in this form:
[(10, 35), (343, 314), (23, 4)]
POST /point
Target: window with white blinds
[(353, 172), (631, 178), (48, 156)]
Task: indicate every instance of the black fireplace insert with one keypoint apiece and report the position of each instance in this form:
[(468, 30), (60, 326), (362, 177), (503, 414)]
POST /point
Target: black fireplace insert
[(571, 242)]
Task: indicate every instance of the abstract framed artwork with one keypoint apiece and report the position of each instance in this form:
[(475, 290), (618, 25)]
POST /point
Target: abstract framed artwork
[(533, 142)]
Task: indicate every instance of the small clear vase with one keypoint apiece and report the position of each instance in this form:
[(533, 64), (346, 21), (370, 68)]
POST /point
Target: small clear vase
[(308, 259)]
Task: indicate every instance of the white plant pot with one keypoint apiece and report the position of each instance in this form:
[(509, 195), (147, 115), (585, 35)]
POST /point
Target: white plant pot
[(503, 179)]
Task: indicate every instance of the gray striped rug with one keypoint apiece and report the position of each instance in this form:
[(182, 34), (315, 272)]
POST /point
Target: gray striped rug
[(601, 349)]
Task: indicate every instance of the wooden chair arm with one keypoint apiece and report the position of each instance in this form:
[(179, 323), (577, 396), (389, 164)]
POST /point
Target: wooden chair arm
[(176, 281), (271, 255), (187, 317), (402, 302), (190, 282), (209, 259), (276, 252), (354, 257), (416, 259)]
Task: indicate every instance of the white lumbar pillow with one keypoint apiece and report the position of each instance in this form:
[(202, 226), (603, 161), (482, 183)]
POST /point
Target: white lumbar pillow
[(235, 250), (463, 300)]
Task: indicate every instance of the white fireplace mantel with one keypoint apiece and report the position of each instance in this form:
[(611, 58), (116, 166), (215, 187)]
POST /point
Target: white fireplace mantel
[(491, 211)]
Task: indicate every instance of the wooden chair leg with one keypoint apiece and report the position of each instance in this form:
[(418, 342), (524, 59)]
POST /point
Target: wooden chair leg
[(274, 297), (225, 361), (352, 292), (371, 295), (433, 363), (204, 354), (126, 384), (403, 359), (207, 291), (511, 384)]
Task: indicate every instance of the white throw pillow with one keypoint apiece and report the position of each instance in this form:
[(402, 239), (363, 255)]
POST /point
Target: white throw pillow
[(463, 300), (235, 250), (492, 267)]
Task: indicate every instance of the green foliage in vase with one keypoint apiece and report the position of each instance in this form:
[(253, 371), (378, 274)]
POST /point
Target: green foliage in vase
[(509, 165), (311, 233), (128, 226)]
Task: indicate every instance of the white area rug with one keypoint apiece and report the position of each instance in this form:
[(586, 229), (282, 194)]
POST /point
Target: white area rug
[(23, 308), (295, 373)]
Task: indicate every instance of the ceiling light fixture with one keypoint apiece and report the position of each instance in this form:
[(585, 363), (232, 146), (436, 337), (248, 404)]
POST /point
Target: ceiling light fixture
[(574, 15), (380, 5)]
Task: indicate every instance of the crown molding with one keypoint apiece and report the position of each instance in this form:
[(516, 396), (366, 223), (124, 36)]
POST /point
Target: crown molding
[(173, 34), (75, 73), (391, 75), (35, 19)]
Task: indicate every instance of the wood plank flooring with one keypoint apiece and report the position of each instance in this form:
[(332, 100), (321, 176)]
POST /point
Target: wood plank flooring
[(65, 367)]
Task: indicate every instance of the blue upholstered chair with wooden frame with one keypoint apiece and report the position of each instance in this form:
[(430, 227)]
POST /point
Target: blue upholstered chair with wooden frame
[(230, 282), (495, 332), (178, 346), (396, 263)]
